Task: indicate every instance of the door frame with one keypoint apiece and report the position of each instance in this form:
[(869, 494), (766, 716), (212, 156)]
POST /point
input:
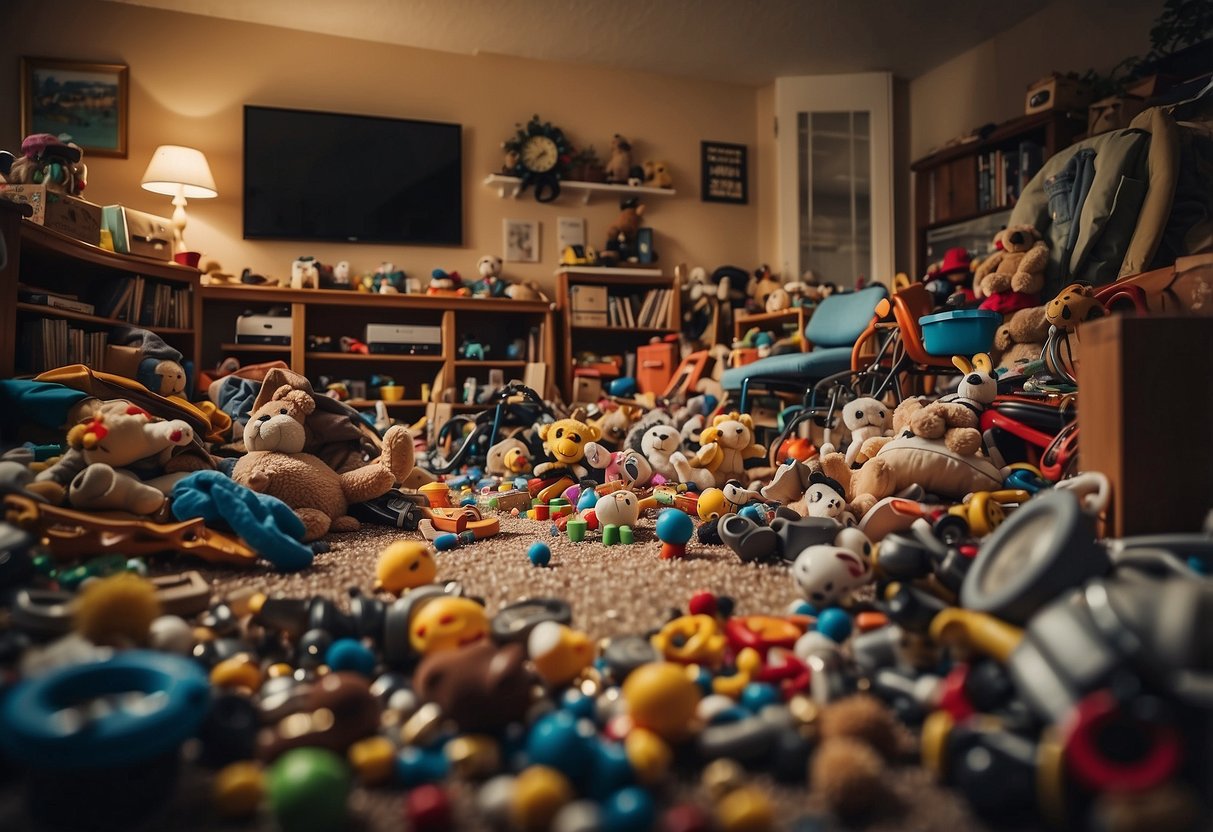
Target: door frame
[(866, 91)]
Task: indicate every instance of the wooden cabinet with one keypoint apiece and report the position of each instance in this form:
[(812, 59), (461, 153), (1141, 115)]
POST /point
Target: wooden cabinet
[(978, 180), (512, 334), (611, 337), (37, 261), (782, 323)]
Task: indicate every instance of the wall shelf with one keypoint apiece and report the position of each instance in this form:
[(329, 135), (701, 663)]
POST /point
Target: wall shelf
[(511, 186)]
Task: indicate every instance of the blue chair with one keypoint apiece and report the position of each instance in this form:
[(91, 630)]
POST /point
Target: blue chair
[(837, 323)]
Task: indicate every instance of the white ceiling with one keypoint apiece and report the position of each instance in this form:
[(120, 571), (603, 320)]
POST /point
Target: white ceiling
[(741, 41)]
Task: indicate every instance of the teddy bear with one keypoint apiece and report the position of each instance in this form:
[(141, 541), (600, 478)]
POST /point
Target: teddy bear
[(1073, 305), (1011, 278), (761, 286), (621, 235), (657, 175), (490, 283), (565, 441), (864, 418), (658, 445), (619, 166), (125, 459), (725, 445), (275, 464), (934, 445), (613, 425), (1020, 338)]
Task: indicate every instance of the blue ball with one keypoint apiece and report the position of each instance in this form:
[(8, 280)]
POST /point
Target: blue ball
[(446, 541), (350, 654), (622, 386), (803, 608), (539, 553), (578, 704), (674, 526), (757, 695), (416, 766), (562, 741), (756, 512), (612, 771), (834, 624), (629, 810)]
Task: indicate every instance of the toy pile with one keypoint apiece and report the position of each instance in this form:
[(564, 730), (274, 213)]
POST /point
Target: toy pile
[(627, 617)]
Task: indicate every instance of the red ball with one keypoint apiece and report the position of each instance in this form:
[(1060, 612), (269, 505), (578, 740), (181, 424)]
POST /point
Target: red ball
[(428, 809), (685, 817), (702, 603)]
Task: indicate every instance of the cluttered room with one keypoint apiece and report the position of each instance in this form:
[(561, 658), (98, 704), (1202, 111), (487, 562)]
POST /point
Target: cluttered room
[(697, 416)]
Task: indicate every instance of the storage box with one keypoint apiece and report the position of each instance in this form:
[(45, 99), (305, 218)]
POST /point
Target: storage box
[(655, 365), (137, 232), (1056, 92), (404, 339), (263, 329), (959, 332), (68, 215), (586, 387), (588, 305), (1113, 113)]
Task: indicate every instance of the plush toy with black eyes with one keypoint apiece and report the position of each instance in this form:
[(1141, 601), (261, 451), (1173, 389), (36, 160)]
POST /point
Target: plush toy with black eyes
[(824, 497), (565, 442)]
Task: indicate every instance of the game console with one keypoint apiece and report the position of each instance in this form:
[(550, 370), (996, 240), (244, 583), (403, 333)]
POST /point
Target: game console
[(404, 339), (264, 329)]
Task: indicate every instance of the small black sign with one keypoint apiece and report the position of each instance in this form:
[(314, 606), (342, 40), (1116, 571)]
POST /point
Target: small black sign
[(723, 172)]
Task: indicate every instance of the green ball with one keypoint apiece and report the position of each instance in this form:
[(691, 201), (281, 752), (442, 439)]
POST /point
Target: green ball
[(308, 789)]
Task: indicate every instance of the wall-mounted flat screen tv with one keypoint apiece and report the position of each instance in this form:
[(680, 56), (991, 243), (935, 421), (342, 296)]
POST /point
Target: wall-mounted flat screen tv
[(350, 178)]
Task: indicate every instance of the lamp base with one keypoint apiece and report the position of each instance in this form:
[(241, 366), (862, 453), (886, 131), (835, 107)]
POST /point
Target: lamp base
[(179, 221)]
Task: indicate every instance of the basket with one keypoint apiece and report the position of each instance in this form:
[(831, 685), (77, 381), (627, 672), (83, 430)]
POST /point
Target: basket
[(959, 332)]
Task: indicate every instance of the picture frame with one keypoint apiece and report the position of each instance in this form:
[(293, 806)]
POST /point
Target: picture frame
[(88, 101), (570, 231), (724, 172), (520, 241)]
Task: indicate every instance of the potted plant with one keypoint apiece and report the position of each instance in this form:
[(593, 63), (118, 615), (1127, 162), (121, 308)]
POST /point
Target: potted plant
[(585, 166)]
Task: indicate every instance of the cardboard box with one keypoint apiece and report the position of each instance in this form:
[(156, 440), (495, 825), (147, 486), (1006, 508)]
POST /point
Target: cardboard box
[(137, 232), (587, 388), (1157, 454), (1113, 113), (588, 305), (1056, 92), (68, 215)]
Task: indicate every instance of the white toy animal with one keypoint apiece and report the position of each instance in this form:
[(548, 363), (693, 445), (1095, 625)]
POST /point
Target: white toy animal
[(823, 498), (978, 387), (342, 274), (827, 575), (304, 273), (621, 508), (657, 445)]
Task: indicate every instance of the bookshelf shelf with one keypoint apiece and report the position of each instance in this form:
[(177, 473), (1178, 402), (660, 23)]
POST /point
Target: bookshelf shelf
[(43, 260), (278, 348)]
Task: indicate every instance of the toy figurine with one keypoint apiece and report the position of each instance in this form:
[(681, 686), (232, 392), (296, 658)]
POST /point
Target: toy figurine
[(447, 284), (828, 574), (473, 349), (490, 283), (621, 236), (619, 166), (387, 280), (49, 160), (305, 274), (950, 276), (617, 513)]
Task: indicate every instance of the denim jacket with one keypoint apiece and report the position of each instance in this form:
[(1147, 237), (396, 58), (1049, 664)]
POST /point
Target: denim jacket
[(1102, 203)]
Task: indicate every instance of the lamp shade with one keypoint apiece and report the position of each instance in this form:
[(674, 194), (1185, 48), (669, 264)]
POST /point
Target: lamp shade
[(176, 169)]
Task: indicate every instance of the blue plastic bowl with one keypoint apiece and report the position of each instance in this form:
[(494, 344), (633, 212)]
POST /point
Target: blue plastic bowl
[(959, 332)]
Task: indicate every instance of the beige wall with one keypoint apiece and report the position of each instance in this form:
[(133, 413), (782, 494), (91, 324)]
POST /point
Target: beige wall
[(191, 75)]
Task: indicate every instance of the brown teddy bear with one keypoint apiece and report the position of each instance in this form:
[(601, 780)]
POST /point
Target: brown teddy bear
[(1020, 338), (619, 166), (276, 465), (1012, 277), (935, 445)]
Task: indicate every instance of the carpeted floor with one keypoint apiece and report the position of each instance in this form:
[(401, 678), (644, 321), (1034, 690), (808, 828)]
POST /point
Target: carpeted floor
[(613, 590)]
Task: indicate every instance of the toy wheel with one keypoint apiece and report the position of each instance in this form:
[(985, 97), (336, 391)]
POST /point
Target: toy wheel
[(951, 529)]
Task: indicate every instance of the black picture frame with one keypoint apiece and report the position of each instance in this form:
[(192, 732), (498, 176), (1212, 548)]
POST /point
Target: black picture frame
[(724, 173)]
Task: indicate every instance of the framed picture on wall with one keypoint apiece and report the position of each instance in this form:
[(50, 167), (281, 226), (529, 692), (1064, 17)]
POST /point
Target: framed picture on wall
[(723, 173), (521, 243), (86, 101)]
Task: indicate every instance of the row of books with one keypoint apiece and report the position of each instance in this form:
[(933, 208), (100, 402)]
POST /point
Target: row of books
[(143, 302), (1002, 175), (52, 342), (59, 300), (648, 311)]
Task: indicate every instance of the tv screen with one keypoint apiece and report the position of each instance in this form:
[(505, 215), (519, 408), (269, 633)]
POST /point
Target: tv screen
[(350, 178)]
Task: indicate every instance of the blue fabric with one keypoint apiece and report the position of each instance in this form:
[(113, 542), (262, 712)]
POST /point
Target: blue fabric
[(839, 320), (235, 397), (43, 402), (265, 523), (791, 368)]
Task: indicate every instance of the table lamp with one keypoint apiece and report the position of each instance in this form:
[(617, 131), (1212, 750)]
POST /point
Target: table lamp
[(179, 172)]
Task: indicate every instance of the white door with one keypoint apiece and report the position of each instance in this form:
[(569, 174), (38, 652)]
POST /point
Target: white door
[(835, 174)]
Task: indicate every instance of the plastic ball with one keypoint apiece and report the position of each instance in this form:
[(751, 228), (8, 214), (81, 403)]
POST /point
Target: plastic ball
[(578, 816), (414, 766), (835, 624), (404, 565), (746, 809), (649, 754), (428, 809), (662, 698), (372, 759), (702, 603), (238, 790), (674, 526), (757, 695), (711, 504), (561, 741), (539, 793), (539, 553), (171, 634), (308, 790), (628, 810), (446, 541), (118, 609), (350, 654), (237, 672)]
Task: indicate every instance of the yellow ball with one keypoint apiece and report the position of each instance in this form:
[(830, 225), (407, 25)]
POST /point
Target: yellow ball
[(238, 790), (447, 624), (239, 671), (117, 610), (649, 755), (539, 793), (404, 565), (662, 698), (722, 777), (473, 756), (372, 759), (746, 809)]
